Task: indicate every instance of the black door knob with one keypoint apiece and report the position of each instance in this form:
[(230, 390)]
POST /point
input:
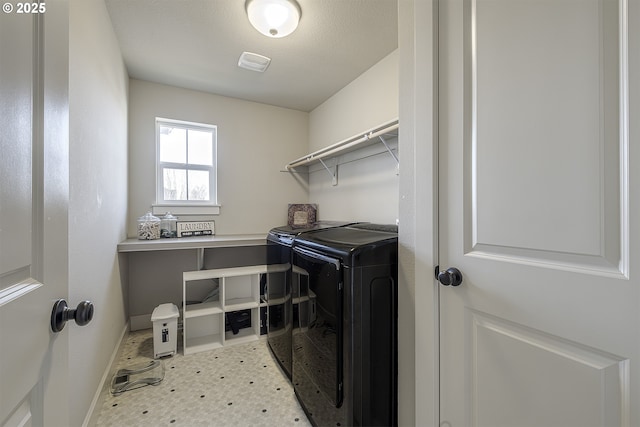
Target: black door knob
[(450, 277), (82, 314)]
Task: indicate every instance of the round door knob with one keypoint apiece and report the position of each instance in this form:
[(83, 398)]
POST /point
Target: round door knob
[(82, 314), (450, 277)]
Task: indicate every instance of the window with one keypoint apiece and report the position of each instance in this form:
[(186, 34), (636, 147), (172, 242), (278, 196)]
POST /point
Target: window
[(186, 163)]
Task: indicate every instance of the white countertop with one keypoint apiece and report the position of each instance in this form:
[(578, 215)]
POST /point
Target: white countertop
[(230, 240)]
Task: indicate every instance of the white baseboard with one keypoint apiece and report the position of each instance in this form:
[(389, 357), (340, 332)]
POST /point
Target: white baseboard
[(92, 415)]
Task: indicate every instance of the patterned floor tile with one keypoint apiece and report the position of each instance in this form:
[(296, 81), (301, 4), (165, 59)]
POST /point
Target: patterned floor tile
[(239, 385)]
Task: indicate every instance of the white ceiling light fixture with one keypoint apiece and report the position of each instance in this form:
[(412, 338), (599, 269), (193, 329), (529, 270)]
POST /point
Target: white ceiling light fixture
[(274, 18)]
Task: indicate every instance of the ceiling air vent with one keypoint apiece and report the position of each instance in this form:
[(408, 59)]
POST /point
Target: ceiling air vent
[(253, 62)]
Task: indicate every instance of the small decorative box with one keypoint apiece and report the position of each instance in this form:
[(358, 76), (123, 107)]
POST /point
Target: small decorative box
[(302, 215)]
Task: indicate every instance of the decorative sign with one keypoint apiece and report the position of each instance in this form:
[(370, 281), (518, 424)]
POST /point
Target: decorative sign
[(302, 215), (196, 228)]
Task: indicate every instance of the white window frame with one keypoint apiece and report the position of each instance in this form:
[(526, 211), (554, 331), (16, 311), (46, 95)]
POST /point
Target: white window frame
[(186, 207)]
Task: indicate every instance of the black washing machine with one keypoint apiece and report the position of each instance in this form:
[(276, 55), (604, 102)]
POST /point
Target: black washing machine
[(282, 302), (345, 348)]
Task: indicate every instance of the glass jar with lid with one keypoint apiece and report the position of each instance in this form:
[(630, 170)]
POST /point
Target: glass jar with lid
[(148, 227), (168, 226)]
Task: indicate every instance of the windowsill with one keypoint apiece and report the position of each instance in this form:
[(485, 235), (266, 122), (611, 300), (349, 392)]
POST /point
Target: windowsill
[(186, 209)]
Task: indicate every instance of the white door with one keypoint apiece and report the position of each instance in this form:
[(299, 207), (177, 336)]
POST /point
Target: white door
[(539, 201), (33, 215)]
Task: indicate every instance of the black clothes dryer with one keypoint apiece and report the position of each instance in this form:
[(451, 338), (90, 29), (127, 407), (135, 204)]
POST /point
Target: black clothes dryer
[(345, 359), (282, 304)]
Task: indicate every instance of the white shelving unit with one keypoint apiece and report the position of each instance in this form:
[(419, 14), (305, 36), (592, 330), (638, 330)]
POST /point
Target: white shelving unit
[(239, 289), (376, 135)]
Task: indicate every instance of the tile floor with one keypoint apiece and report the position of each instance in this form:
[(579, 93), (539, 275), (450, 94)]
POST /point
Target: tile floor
[(239, 385)]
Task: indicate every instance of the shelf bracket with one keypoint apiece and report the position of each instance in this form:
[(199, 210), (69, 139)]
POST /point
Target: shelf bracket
[(384, 142), (333, 173)]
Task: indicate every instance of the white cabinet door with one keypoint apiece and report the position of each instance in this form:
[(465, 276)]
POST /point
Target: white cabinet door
[(539, 209), (33, 215)]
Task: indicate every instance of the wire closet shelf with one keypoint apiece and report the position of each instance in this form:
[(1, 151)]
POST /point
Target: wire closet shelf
[(379, 134)]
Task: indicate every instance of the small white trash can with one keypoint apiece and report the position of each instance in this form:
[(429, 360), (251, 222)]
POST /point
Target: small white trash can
[(165, 330)]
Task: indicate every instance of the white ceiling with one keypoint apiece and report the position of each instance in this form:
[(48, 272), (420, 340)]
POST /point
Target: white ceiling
[(196, 44)]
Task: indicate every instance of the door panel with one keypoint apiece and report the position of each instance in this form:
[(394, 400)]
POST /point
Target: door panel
[(18, 290), (535, 199), (506, 356), (16, 39), (550, 131), (20, 364), (33, 215)]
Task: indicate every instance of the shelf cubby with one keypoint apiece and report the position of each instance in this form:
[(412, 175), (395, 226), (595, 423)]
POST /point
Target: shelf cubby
[(239, 288)]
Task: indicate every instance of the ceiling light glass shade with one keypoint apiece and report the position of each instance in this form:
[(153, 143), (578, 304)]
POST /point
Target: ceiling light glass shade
[(274, 18)]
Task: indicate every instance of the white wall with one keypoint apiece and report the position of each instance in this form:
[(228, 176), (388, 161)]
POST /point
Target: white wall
[(366, 102), (98, 195), (367, 189), (255, 141)]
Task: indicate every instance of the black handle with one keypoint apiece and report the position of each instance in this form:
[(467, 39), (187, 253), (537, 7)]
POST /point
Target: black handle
[(450, 277), (82, 314)]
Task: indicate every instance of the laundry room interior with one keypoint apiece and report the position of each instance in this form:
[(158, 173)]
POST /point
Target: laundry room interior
[(376, 212), (281, 161)]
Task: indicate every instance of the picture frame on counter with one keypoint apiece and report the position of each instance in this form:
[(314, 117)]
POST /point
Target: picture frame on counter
[(302, 215), (195, 228)]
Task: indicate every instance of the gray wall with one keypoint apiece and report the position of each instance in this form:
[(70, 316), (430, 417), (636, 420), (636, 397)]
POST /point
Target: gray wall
[(156, 277), (98, 195), (254, 142), (367, 189)]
